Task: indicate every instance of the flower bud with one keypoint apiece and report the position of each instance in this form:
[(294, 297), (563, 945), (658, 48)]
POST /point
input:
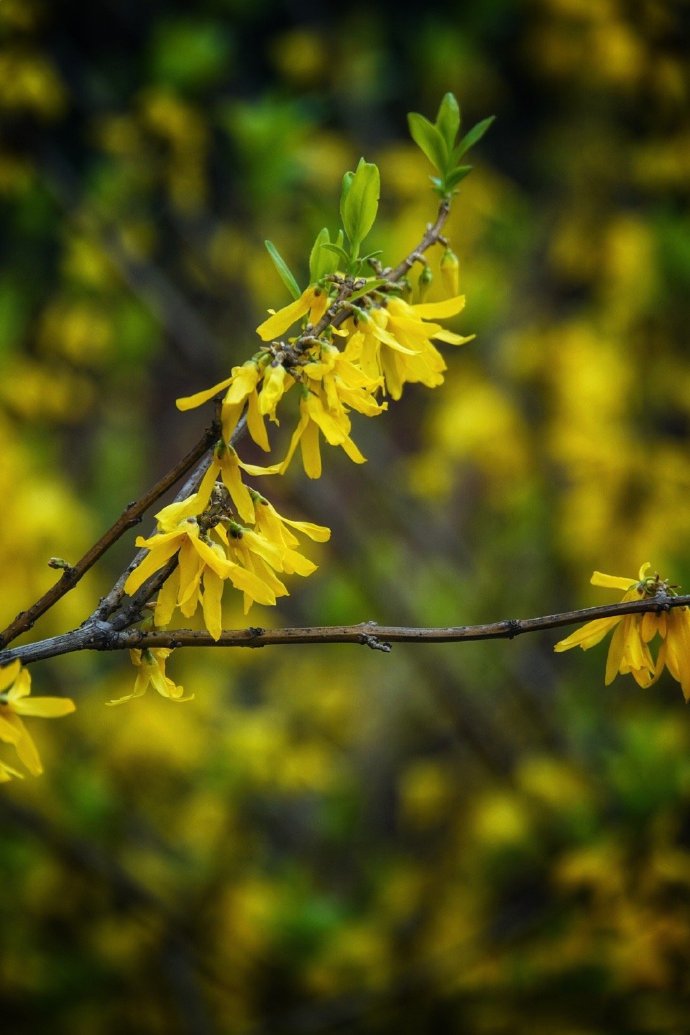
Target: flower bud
[(450, 272)]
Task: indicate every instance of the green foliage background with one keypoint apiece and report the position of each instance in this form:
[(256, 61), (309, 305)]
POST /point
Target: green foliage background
[(477, 838)]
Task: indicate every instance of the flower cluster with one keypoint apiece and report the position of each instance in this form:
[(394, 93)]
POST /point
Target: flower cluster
[(15, 701), (359, 341), (380, 343), (223, 532), (630, 649)]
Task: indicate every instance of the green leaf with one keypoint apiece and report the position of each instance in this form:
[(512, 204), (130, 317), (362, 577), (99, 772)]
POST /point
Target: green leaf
[(360, 202), (427, 137), (471, 138), (336, 249), (284, 271), (448, 120), (455, 175), (320, 262)]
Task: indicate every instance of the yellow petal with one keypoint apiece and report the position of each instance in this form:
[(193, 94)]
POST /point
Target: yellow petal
[(611, 581), (9, 673), (45, 707), (589, 635), (159, 555), (615, 654), (439, 310), (279, 322), (211, 603), (188, 402)]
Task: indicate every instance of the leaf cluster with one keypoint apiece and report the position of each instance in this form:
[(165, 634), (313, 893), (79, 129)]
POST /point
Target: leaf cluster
[(438, 142)]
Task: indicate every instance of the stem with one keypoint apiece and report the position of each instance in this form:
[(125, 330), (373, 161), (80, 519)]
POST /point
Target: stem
[(432, 235), (101, 636)]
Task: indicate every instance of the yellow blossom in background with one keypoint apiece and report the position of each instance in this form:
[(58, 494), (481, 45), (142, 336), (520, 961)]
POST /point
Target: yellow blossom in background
[(629, 651), (150, 664), (15, 688)]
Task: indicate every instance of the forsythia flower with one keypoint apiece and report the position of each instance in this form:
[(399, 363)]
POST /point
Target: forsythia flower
[(315, 419), (202, 567), (313, 301), (394, 342), (195, 531), (241, 389), (629, 651), (151, 665), (15, 688)]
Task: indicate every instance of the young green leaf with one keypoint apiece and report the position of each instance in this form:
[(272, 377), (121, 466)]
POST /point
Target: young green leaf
[(429, 138), (320, 262), (336, 249), (471, 138), (360, 201), (455, 175), (284, 271), (448, 120)]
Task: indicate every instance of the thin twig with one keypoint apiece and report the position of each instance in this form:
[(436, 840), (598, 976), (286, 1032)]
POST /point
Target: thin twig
[(101, 636), (432, 235)]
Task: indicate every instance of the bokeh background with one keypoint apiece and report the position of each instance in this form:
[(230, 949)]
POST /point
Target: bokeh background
[(475, 838)]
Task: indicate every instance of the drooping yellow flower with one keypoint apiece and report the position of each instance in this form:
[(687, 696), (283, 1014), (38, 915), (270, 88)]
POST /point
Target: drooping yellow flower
[(270, 547), (629, 651), (277, 381), (313, 301), (275, 527), (674, 652), (315, 420), (342, 384), (202, 567), (395, 342), (15, 701), (241, 390), (151, 672)]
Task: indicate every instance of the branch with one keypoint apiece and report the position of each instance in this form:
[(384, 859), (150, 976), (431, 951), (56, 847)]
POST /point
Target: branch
[(131, 515), (432, 235), (101, 636)]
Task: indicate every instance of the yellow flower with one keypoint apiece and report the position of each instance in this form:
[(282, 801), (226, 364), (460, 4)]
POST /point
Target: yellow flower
[(241, 390), (395, 342), (341, 382), (277, 381), (315, 420), (313, 301), (15, 688), (151, 665), (674, 652), (202, 567), (629, 651), (273, 525)]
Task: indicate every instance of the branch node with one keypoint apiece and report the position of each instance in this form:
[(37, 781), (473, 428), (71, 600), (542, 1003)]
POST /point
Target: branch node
[(512, 628), (367, 640)]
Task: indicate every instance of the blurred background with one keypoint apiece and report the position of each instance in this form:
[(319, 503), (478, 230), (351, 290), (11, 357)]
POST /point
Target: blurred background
[(475, 838)]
